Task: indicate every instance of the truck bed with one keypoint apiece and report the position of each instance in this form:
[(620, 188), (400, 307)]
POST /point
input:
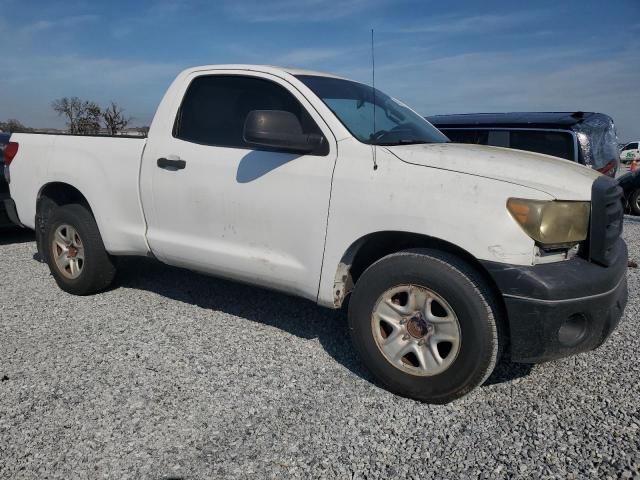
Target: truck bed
[(104, 168)]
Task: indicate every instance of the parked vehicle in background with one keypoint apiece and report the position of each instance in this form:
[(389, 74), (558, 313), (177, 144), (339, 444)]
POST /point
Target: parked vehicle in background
[(583, 137), (630, 152), (277, 177), (4, 187), (630, 184)]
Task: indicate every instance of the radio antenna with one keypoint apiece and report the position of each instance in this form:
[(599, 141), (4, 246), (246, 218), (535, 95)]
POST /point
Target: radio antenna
[(373, 91)]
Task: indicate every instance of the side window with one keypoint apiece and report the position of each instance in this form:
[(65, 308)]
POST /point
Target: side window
[(499, 138), (215, 108), (557, 144), (476, 137), (631, 146)]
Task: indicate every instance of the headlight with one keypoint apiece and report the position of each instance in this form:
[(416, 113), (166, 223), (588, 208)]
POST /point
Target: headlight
[(551, 223)]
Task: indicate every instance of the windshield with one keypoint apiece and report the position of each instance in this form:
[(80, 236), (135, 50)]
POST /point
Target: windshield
[(353, 104)]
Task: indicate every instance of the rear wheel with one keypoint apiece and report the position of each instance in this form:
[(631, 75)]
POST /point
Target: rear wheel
[(634, 202), (424, 323), (75, 253)]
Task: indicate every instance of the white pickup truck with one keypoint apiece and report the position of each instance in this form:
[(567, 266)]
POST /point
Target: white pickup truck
[(630, 152), (321, 187)]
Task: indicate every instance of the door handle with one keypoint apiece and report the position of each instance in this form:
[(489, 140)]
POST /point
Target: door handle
[(171, 164)]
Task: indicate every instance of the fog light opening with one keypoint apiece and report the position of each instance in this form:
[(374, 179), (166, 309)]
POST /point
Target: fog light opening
[(573, 330)]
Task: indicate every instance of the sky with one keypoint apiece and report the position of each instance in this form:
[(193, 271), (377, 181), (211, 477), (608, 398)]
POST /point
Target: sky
[(437, 56)]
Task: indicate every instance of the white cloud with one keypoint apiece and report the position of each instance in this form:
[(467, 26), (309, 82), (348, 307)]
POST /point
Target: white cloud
[(83, 70), (37, 26), (449, 25), (35, 81), (157, 13), (294, 10), (59, 23), (308, 56)]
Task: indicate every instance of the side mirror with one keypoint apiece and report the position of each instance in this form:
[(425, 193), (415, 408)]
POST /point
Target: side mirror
[(279, 129)]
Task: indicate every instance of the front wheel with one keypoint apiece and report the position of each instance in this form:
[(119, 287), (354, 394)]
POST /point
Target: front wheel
[(75, 253), (425, 324)]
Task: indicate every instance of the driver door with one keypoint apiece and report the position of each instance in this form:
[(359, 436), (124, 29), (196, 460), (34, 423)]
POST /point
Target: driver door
[(231, 209)]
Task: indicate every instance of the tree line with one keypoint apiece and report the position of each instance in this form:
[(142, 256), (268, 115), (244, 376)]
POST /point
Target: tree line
[(82, 117), (14, 126)]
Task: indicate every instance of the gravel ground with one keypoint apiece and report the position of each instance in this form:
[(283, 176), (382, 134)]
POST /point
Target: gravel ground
[(175, 375)]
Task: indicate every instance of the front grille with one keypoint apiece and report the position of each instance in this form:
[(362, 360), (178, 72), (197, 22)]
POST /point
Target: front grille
[(607, 216)]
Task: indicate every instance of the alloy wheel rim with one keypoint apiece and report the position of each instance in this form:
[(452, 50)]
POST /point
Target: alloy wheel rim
[(68, 251), (416, 330)]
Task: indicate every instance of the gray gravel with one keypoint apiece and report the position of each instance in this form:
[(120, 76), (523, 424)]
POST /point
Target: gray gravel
[(175, 375)]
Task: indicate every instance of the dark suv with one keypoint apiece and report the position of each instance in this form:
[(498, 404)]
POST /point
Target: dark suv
[(4, 188), (584, 137)]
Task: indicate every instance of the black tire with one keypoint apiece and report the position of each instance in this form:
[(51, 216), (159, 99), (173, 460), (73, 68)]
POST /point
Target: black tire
[(634, 202), (466, 292), (98, 267)]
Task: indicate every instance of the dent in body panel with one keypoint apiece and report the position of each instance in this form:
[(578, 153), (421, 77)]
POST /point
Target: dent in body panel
[(501, 253), (343, 283)]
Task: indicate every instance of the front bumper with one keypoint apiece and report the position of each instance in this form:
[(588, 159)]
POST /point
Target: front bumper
[(559, 309)]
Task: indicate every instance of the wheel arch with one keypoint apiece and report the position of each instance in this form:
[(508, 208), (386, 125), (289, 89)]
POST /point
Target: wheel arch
[(61, 193), (372, 247), (50, 196)]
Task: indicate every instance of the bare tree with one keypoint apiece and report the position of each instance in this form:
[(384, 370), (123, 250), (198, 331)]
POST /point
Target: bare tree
[(71, 109), (89, 119), (114, 118), (83, 117)]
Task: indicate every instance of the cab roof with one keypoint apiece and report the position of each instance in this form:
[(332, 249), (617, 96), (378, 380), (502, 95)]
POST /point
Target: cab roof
[(262, 68)]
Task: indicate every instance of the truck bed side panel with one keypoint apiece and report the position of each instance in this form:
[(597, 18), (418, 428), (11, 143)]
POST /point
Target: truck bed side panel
[(104, 169)]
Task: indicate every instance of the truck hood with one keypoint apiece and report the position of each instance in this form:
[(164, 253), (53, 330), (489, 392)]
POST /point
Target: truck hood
[(562, 179)]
